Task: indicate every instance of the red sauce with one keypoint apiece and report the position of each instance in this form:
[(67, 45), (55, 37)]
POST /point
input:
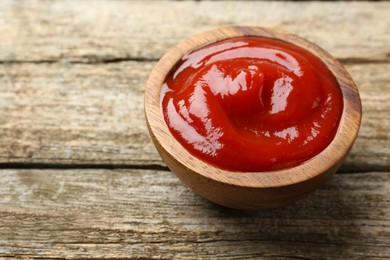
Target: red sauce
[(252, 104)]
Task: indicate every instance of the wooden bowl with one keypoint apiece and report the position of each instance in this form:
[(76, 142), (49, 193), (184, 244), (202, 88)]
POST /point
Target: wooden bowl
[(251, 190)]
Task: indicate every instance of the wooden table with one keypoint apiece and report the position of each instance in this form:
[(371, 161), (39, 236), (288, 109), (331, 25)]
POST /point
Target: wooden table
[(80, 177)]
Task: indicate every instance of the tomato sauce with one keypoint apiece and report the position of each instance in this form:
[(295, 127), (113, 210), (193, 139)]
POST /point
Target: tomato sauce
[(252, 104)]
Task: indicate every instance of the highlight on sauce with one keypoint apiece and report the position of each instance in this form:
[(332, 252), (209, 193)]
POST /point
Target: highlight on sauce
[(252, 104)]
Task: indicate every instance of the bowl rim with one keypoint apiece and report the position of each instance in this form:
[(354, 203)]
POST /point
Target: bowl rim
[(332, 155)]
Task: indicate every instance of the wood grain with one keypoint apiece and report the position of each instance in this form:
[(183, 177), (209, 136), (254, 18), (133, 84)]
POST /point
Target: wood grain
[(72, 31), (93, 114), (55, 112), (143, 214)]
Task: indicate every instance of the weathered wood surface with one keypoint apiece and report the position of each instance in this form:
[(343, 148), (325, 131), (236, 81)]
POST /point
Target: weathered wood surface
[(139, 213), (92, 31), (72, 76), (93, 114)]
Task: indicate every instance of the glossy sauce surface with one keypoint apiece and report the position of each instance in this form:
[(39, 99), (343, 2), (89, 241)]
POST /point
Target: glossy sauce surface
[(252, 104)]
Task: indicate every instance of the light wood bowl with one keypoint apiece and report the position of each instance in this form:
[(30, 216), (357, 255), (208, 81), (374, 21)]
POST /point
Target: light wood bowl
[(251, 190)]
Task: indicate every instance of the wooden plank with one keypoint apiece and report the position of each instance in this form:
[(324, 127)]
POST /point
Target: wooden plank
[(131, 213), (116, 30), (93, 114)]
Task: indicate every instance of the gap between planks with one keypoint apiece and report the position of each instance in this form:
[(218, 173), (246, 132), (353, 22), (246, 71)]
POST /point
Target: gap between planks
[(90, 166), (96, 61), (48, 166), (89, 60)]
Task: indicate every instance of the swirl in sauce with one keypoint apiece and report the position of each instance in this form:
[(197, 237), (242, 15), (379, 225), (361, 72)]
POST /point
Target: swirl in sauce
[(252, 104)]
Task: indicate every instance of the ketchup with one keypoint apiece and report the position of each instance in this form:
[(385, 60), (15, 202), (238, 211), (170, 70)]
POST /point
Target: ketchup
[(252, 104)]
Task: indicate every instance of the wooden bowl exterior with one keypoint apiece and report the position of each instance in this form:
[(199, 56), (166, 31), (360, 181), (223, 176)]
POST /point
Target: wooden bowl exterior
[(251, 190)]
